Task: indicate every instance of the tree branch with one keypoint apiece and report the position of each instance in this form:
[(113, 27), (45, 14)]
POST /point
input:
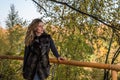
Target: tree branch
[(40, 6), (94, 17), (115, 55), (112, 62), (106, 72)]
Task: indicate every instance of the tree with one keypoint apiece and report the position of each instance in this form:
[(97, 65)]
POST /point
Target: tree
[(15, 31), (13, 18), (13, 44), (87, 15)]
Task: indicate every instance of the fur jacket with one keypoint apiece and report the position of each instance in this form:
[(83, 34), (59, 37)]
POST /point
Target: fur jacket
[(37, 59)]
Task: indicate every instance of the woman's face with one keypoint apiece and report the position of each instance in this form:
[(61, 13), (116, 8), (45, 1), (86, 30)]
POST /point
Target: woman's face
[(39, 28)]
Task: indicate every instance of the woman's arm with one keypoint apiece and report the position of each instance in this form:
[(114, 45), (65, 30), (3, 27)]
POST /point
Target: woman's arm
[(53, 48)]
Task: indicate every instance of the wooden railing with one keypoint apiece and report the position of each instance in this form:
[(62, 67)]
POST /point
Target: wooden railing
[(113, 68)]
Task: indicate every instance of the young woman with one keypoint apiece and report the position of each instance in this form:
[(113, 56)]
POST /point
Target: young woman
[(36, 64)]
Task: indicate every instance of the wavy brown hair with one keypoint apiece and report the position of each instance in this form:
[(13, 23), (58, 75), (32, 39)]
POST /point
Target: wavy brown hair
[(31, 31)]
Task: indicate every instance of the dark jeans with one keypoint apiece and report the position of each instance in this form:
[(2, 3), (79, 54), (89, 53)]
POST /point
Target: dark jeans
[(36, 77)]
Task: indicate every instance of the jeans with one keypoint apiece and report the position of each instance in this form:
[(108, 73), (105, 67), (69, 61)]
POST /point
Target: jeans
[(36, 77)]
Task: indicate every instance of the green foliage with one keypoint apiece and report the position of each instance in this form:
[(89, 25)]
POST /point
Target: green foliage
[(3, 41), (78, 37), (12, 43), (72, 45), (10, 70), (16, 39), (93, 37), (16, 31)]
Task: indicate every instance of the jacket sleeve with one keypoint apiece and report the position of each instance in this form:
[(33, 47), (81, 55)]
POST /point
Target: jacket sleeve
[(53, 48), (26, 53)]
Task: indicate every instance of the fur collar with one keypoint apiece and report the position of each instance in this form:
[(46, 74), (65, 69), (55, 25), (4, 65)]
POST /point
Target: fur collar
[(43, 35)]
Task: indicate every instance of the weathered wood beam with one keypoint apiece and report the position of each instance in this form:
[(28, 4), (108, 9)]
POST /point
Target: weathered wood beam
[(72, 62)]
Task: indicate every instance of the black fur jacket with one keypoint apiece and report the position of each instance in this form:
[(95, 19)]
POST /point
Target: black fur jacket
[(37, 59)]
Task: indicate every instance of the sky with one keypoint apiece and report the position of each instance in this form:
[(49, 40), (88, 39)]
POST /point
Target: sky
[(26, 10)]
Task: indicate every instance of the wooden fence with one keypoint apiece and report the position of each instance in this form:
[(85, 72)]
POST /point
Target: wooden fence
[(112, 67)]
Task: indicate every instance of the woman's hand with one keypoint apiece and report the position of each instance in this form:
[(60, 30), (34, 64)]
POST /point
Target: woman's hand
[(60, 59)]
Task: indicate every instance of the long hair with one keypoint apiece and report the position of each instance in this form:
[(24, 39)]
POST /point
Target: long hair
[(30, 34)]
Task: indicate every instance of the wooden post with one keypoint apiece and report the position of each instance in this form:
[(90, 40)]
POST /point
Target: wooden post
[(114, 75)]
